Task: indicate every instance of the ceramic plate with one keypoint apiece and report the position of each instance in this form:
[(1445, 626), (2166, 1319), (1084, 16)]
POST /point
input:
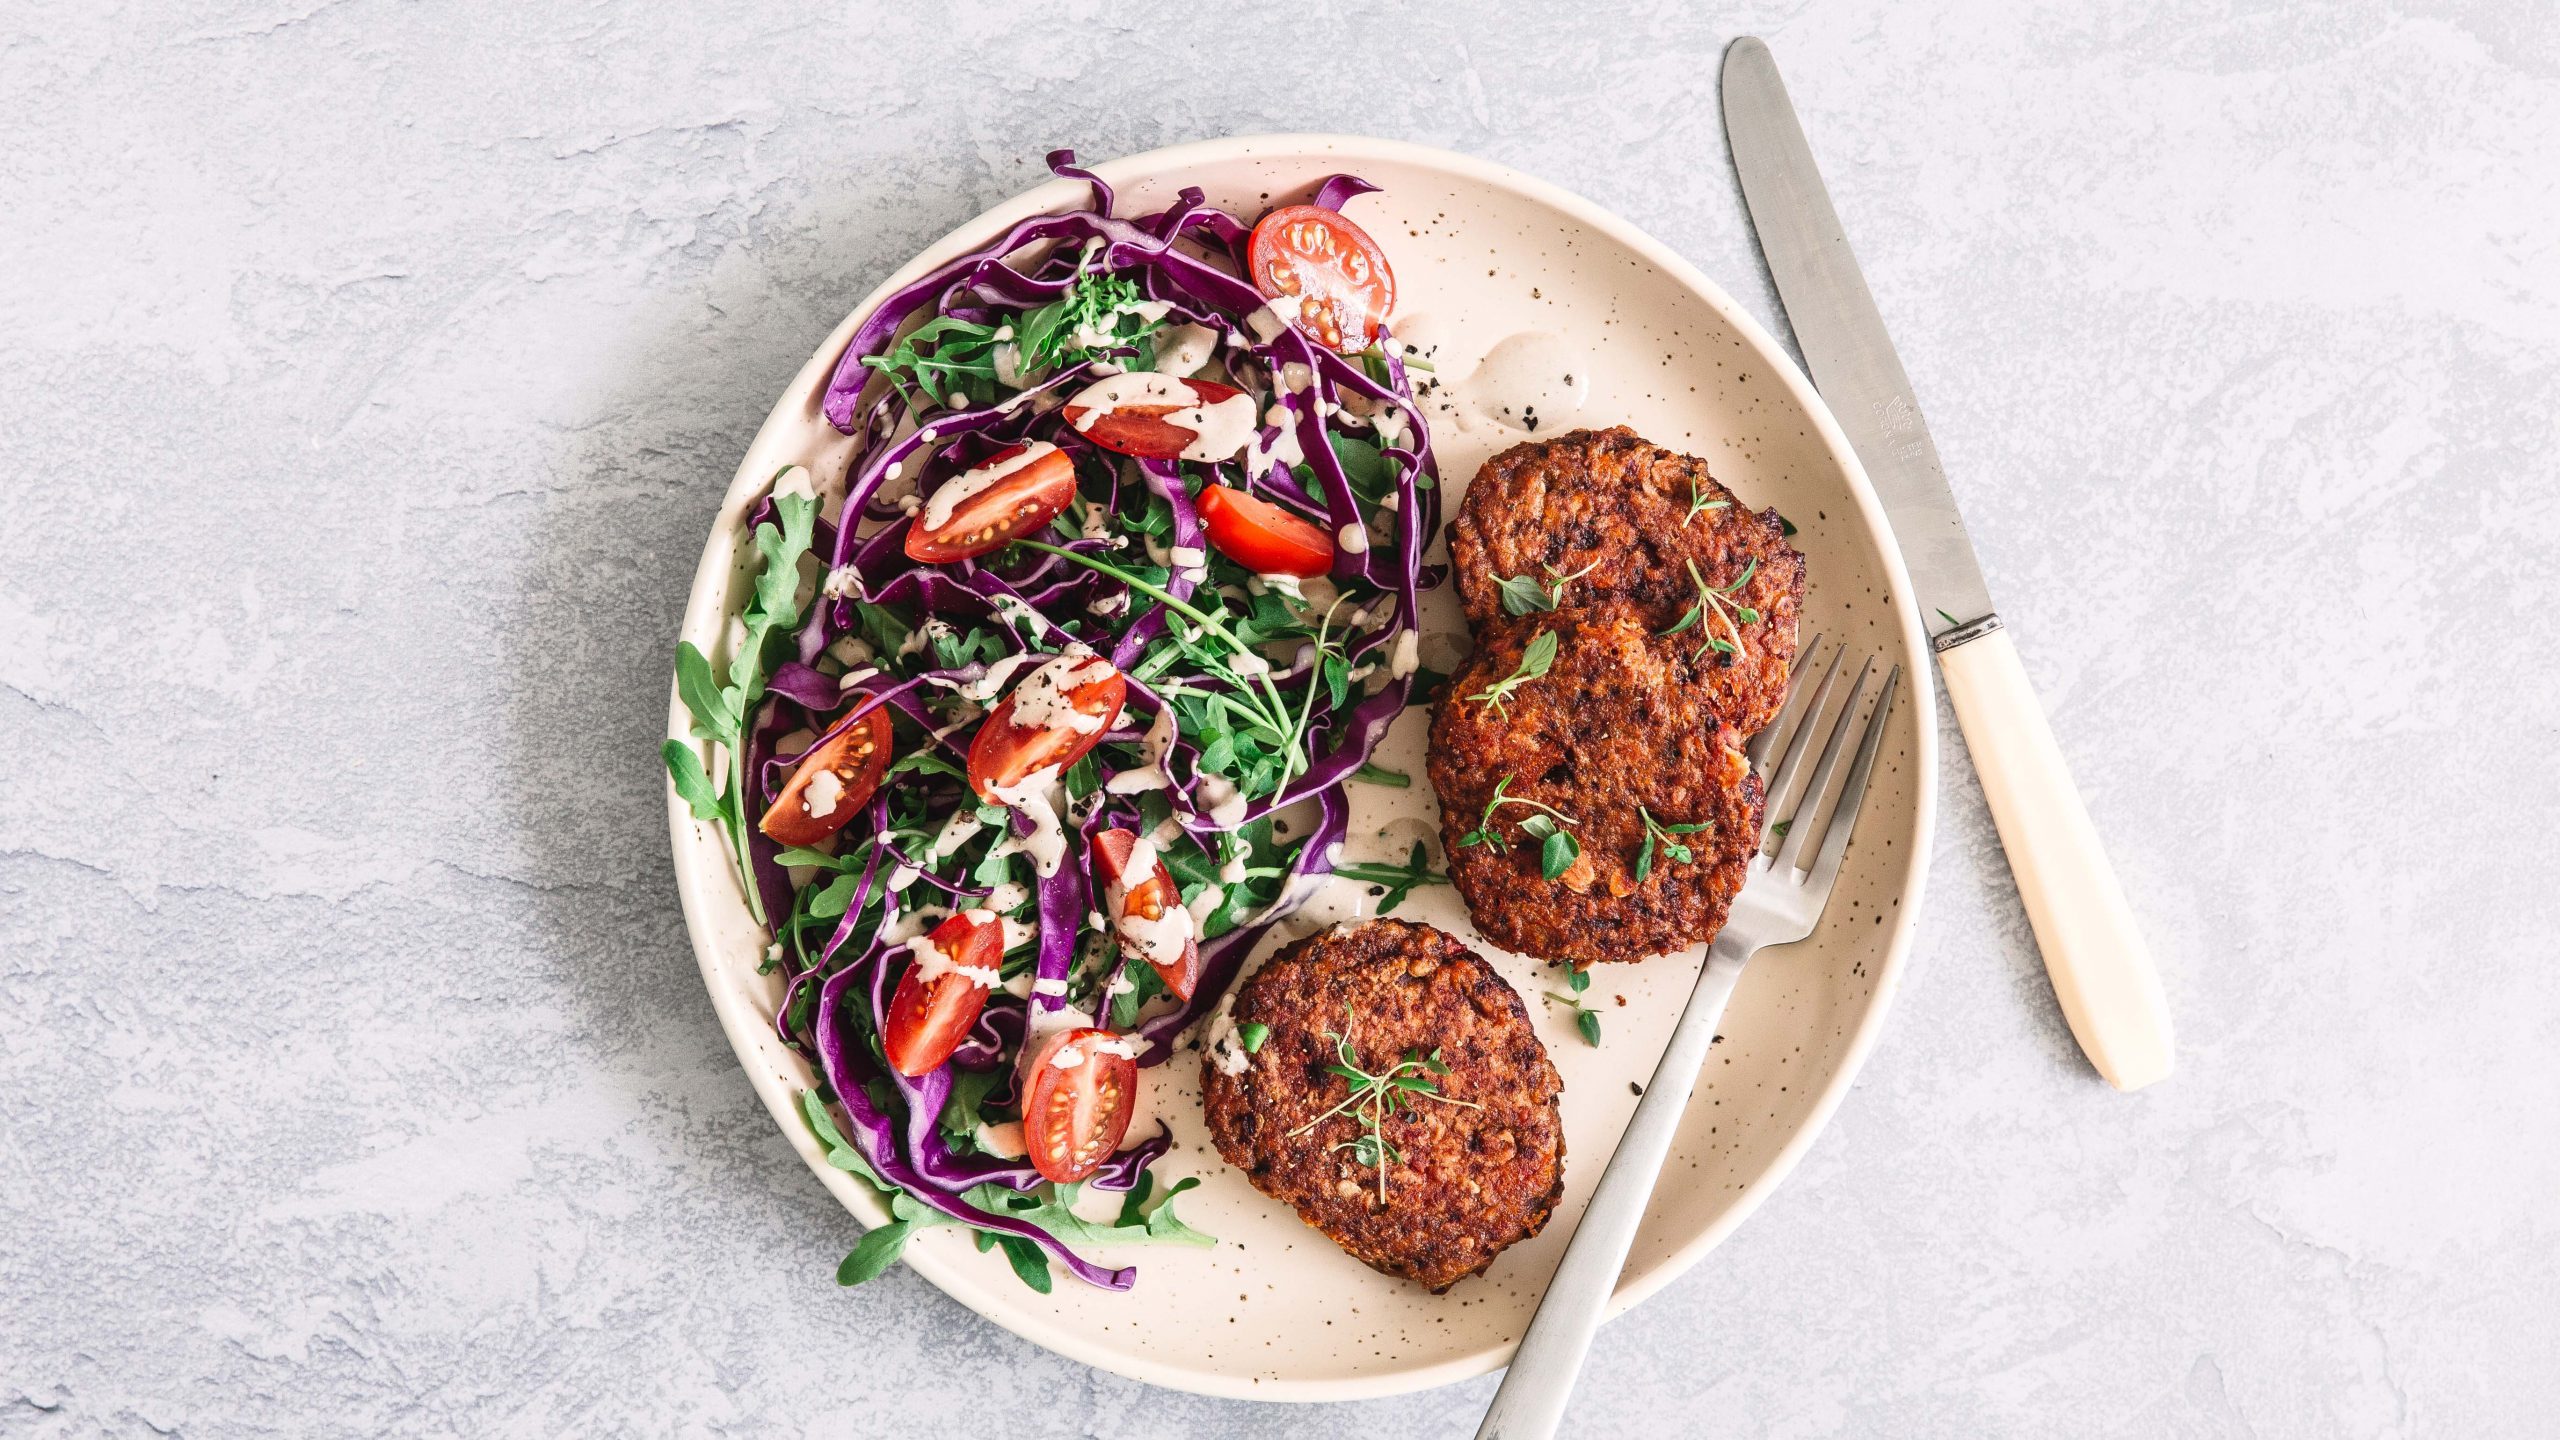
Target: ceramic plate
[(1489, 263)]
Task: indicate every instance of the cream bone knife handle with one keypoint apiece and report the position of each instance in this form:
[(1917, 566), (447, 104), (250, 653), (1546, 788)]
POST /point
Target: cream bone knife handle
[(2101, 971)]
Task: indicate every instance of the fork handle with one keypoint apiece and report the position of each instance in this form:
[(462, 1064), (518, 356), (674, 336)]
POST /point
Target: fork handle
[(1531, 1402), (2101, 970)]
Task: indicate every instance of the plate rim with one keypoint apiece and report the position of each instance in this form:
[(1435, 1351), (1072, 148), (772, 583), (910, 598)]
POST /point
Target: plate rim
[(700, 886)]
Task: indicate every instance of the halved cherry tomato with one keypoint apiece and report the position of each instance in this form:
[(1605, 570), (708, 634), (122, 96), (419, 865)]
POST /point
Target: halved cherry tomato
[(1019, 489), (1261, 536), (1150, 897), (1338, 274), (810, 809), (1127, 413), (929, 1018), (1006, 751), (1078, 1093)]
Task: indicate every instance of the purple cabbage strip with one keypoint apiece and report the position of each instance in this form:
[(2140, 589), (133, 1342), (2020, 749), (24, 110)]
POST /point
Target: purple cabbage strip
[(1337, 189)]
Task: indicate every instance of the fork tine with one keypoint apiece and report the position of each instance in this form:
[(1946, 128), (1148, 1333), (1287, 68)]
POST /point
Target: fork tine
[(1774, 785), (1758, 750), (1801, 838), (1844, 818)]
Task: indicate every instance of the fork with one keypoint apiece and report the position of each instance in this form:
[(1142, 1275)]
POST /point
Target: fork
[(1779, 904)]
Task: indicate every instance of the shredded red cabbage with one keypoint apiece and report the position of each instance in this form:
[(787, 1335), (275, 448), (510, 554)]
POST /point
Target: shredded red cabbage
[(932, 645)]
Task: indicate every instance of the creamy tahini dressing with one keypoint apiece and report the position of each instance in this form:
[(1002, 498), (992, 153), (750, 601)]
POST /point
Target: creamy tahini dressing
[(1045, 699), (1184, 350), (1218, 430), (947, 498)]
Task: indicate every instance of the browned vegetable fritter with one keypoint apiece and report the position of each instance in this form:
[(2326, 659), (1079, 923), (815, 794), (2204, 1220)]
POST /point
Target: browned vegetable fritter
[(1630, 513), (1466, 1180), (1614, 725)]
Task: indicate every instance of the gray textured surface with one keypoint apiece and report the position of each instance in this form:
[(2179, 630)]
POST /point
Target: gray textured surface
[(370, 374)]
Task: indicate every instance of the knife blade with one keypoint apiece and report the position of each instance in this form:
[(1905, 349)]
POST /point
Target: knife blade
[(2102, 974)]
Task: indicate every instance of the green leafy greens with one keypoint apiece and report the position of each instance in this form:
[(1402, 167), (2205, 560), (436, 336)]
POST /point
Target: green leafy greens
[(722, 711)]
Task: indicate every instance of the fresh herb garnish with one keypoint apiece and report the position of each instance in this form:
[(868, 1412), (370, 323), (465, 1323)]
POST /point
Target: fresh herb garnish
[(1374, 1097), (1716, 600), (722, 711), (1950, 619), (1699, 504), (1557, 849), (1253, 1035), (1522, 595), (1535, 660), (1585, 1019), (1400, 880), (1655, 830)]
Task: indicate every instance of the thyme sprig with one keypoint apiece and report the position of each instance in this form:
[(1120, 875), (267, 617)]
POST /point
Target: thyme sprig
[(1716, 600), (1699, 504), (1375, 1096), (1400, 880), (1535, 661), (1523, 595), (1655, 830), (1585, 1019), (1557, 849)]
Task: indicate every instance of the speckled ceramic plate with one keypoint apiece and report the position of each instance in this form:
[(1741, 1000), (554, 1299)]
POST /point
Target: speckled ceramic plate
[(1482, 255)]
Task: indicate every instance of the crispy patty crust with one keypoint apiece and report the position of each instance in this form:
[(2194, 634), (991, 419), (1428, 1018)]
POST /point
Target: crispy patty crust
[(1612, 734), (1634, 518), (1464, 1183)]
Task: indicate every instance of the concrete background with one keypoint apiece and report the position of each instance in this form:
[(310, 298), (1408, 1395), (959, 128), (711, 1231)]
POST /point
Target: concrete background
[(368, 373)]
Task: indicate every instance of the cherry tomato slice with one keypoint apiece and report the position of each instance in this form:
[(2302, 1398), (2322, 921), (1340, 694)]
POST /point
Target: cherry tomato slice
[(1018, 490), (1006, 750), (1149, 898), (1336, 272), (1261, 536), (929, 1017), (1079, 1090), (831, 783), (1128, 413)]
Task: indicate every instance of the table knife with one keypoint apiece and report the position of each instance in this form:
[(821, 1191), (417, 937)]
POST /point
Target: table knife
[(2101, 971)]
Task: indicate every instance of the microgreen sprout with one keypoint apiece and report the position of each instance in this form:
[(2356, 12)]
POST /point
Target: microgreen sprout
[(1400, 880), (1522, 595), (1557, 848), (1699, 504), (1585, 1019), (1535, 661), (1375, 1096), (1716, 601), (1667, 836)]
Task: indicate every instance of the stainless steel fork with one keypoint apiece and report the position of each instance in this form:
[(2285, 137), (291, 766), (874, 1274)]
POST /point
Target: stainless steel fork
[(1780, 904)]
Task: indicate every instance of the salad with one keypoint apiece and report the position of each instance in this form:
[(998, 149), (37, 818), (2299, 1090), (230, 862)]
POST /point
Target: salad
[(1025, 740)]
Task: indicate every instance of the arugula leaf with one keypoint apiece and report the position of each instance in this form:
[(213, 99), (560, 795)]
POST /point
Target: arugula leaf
[(927, 762), (1364, 467), (879, 1249), (1029, 1264), (946, 359), (721, 712), (685, 769)]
